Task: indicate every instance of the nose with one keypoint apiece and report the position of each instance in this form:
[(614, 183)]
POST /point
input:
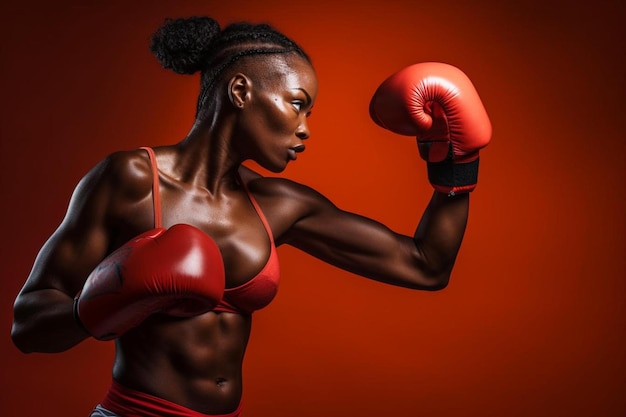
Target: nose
[(302, 131)]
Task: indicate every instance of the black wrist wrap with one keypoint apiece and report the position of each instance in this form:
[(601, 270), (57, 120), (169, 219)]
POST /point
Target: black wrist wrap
[(450, 174)]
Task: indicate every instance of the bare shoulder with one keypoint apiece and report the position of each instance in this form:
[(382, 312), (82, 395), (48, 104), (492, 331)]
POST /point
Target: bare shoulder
[(285, 202), (129, 172), (280, 188), (108, 189)]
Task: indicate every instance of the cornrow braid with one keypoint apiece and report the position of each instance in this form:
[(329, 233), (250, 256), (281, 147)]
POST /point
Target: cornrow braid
[(213, 74), (189, 45)]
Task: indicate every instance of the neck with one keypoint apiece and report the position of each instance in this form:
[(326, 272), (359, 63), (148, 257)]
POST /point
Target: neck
[(207, 158)]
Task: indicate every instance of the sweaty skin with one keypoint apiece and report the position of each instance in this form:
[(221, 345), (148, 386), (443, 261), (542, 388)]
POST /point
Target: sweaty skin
[(257, 115)]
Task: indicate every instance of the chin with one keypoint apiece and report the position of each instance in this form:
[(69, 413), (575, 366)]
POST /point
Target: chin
[(276, 169)]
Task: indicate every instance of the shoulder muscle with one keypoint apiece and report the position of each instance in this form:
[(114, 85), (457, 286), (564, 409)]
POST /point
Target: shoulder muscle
[(84, 236)]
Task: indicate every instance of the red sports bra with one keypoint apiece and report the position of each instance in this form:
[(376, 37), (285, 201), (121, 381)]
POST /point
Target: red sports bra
[(252, 295)]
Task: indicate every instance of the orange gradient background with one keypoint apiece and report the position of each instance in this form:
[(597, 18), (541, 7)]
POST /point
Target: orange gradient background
[(533, 322)]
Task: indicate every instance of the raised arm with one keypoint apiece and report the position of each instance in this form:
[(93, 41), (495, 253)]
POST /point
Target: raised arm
[(370, 249), (438, 105)]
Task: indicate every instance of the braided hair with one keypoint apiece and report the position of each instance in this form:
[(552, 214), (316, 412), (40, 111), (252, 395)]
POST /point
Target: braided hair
[(198, 44)]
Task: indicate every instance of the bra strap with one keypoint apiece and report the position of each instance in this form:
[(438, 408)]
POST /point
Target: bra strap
[(156, 195), (258, 210)]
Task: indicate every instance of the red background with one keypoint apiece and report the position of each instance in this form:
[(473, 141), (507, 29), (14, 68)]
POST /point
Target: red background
[(533, 323)]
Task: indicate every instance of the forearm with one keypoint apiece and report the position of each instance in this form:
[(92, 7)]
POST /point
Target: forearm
[(440, 232), (44, 322)]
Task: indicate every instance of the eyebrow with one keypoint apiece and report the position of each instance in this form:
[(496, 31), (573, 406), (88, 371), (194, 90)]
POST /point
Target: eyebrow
[(308, 97)]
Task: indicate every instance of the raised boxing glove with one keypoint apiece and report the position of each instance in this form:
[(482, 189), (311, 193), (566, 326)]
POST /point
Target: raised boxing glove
[(439, 105), (178, 271)]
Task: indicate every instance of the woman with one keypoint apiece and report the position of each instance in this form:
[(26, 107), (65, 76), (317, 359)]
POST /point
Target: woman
[(257, 91)]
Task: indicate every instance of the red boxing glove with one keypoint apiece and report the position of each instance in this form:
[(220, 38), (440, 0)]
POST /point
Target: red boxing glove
[(178, 271), (439, 105)]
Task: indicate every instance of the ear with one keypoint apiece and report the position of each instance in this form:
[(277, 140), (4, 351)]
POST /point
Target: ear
[(239, 90)]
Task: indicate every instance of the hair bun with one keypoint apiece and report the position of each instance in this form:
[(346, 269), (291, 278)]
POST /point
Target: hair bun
[(181, 44)]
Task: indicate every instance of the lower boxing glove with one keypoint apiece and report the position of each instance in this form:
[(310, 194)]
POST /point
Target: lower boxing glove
[(178, 271)]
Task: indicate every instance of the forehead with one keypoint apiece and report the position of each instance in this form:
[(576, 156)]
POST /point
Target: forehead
[(291, 71), (302, 74)]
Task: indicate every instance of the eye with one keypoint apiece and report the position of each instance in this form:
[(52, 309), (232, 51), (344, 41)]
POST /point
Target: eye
[(297, 104)]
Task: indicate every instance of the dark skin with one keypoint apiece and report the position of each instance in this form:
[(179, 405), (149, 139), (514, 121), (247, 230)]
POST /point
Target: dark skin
[(258, 115)]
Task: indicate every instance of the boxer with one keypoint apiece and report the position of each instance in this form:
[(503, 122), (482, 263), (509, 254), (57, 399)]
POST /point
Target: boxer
[(170, 250)]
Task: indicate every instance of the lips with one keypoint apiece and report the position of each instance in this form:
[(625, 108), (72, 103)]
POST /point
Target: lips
[(292, 152)]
